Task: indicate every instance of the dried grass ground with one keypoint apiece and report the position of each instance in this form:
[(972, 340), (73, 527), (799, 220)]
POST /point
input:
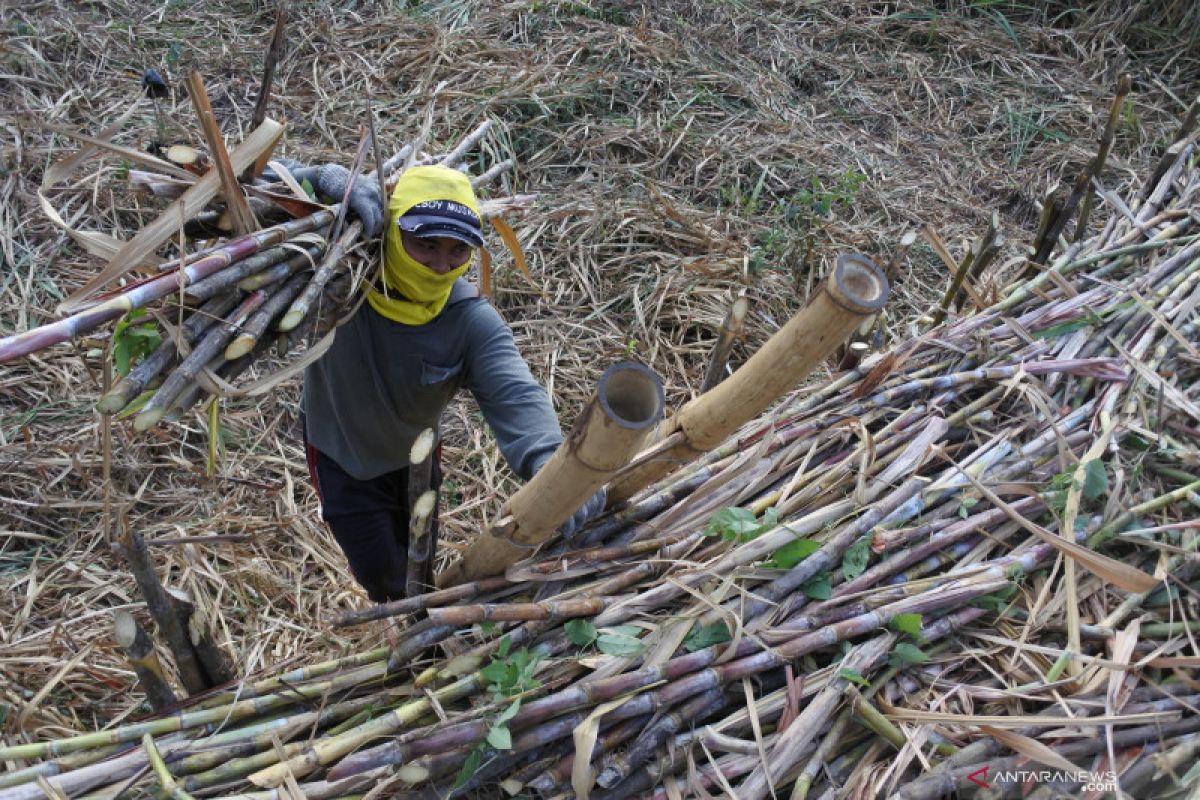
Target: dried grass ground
[(678, 154)]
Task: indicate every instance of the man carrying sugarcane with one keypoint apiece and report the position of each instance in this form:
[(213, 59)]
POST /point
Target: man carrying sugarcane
[(423, 334)]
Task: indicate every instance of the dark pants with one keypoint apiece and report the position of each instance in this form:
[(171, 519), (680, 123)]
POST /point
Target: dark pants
[(369, 520)]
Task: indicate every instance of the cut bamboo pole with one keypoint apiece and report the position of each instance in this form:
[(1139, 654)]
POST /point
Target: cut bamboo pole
[(138, 647), (627, 403), (855, 289)]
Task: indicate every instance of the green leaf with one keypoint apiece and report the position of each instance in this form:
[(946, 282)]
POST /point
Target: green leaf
[(907, 623), (474, 759), (134, 337), (1095, 479), (856, 558), (794, 552), (740, 524), (496, 672), (503, 648), (702, 636), (509, 712), (624, 630), (499, 738), (487, 627), (965, 505), (818, 587), (853, 676), (580, 632), (908, 653), (616, 644)]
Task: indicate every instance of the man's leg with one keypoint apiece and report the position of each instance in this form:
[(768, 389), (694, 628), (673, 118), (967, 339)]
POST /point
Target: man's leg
[(369, 520)]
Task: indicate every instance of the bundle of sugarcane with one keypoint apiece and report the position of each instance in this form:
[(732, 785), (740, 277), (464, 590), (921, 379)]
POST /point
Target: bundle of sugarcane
[(968, 561), (219, 307)]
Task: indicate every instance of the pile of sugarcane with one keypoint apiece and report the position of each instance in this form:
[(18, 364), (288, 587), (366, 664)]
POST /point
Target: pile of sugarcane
[(969, 561), (226, 306)]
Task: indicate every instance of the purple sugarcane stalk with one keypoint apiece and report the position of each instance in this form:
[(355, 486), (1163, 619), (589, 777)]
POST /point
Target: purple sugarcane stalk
[(31, 341)]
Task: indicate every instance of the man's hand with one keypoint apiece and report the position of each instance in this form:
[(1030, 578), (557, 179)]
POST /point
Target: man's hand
[(330, 180), (590, 509)]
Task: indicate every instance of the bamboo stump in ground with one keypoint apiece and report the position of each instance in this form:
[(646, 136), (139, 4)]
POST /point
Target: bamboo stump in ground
[(138, 647)]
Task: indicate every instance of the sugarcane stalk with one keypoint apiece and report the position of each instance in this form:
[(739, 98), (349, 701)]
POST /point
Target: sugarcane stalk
[(1106, 140), (132, 639), (422, 504), (690, 712), (409, 605), (146, 370), (455, 156), (550, 610), (731, 328), (235, 201), (217, 669), (190, 670), (141, 294), (855, 289), (253, 267), (204, 351), (274, 51), (256, 323), (324, 273)]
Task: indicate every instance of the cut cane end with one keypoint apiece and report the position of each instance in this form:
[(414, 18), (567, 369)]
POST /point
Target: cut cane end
[(290, 320), (111, 403), (239, 347), (147, 419)]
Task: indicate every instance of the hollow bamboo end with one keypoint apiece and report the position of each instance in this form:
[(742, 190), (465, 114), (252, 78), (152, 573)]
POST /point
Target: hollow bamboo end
[(858, 284), (148, 419), (631, 395), (239, 347)]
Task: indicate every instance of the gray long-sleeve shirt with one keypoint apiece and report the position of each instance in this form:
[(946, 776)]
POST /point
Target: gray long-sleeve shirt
[(381, 383)]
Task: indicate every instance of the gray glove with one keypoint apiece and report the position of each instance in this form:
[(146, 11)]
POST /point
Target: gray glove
[(591, 508), (329, 180)]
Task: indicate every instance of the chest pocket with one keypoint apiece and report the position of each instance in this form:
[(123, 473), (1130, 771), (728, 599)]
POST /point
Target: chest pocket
[(438, 374)]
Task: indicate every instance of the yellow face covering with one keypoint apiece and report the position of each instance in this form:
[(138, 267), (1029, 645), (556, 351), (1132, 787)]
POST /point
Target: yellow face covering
[(415, 294)]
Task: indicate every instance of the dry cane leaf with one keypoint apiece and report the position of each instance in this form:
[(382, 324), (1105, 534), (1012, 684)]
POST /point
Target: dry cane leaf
[(584, 735), (1128, 578), (1030, 748)]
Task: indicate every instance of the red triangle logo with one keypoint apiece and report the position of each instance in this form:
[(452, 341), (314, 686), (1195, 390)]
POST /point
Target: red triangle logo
[(973, 778)]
